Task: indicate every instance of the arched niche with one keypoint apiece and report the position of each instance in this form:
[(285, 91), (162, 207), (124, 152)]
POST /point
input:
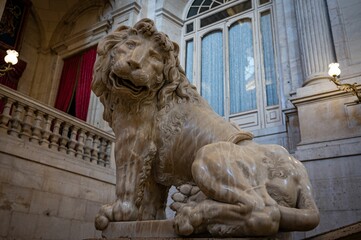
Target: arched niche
[(82, 27)]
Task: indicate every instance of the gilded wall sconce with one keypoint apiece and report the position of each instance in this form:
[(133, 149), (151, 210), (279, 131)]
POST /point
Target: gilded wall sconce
[(334, 71), (11, 59)]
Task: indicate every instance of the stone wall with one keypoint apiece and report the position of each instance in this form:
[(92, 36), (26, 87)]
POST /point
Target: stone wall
[(49, 195), (336, 185)]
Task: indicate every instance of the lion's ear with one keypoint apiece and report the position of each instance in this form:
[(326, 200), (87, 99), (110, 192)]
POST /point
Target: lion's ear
[(176, 48)]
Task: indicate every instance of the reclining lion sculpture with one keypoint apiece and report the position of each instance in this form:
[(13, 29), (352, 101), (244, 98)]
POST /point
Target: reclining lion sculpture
[(167, 134)]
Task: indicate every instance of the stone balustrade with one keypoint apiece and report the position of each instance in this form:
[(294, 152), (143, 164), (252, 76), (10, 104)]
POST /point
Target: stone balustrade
[(32, 121)]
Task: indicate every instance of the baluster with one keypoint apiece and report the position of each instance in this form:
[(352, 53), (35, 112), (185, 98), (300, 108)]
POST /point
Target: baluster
[(72, 142), (80, 145), (27, 125), (108, 153), (5, 116), (16, 121), (102, 149), (88, 147), (95, 150), (64, 139), (36, 136), (46, 133), (54, 138)]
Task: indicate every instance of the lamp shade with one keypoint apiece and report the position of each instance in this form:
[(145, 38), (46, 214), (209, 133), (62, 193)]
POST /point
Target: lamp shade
[(334, 69), (11, 57)]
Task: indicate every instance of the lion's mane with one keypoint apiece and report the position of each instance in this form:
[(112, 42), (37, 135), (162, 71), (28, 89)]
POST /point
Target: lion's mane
[(176, 86)]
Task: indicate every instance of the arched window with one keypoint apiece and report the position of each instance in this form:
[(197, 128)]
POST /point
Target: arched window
[(230, 57)]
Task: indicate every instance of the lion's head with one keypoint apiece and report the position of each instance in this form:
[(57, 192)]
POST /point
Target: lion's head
[(139, 65)]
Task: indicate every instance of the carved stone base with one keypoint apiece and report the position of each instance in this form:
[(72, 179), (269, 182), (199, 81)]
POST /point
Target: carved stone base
[(140, 229), (352, 231), (158, 229)]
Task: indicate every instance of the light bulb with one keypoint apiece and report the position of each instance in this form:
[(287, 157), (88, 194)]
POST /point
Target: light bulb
[(11, 57), (334, 69)]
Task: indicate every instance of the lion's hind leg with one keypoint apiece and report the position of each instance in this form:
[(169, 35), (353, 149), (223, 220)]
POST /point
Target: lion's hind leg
[(227, 173), (223, 219), (237, 201)]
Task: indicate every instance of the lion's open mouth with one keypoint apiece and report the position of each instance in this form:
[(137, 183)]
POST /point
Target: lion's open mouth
[(122, 82)]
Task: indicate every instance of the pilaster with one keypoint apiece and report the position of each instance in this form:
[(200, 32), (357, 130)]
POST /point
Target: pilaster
[(315, 39)]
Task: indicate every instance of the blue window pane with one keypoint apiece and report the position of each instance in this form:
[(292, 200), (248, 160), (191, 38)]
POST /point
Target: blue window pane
[(192, 12), (215, 4), (269, 59), (263, 1), (197, 2), (189, 28), (218, 16), (207, 2), (189, 60), (203, 9), (241, 68), (212, 86)]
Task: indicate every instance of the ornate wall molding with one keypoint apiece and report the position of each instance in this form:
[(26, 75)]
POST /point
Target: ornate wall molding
[(64, 34), (82, 40)]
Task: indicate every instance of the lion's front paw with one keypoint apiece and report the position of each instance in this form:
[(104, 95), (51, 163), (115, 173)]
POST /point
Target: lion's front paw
[(211, 216), (189, 220), (125, 211), (118, 211), (186, 193), (101, 222), (182, 222), (104, 216)]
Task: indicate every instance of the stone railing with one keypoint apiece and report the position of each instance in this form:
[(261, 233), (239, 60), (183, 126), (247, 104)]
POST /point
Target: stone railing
[(32, 121)]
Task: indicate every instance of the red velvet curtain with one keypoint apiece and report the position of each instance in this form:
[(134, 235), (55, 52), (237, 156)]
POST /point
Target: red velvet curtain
[(75, 84), (82, 95), (67, 83)]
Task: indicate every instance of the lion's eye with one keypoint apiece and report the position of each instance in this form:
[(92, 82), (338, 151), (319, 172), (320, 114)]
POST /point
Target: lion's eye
[(156, 56), (130, 44)]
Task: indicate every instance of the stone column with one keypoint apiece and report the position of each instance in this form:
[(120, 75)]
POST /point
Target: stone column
[(316, 40)]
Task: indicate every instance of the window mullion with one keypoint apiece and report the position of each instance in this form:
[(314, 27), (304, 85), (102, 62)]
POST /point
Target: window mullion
[(198, 47), (226, 71), (259, 70)]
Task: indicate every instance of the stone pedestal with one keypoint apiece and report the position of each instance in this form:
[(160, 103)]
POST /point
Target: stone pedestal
[(140, 229), (160, 229), (329, 123)]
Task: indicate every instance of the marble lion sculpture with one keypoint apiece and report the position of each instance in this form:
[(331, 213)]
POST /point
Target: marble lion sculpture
[(167, 134)]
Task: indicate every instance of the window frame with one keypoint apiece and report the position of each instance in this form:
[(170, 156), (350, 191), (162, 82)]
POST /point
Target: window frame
[(263, 116)]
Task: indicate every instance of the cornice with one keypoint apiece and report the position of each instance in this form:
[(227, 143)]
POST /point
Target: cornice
[(76, 42), (127, 8), (170, 16)]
